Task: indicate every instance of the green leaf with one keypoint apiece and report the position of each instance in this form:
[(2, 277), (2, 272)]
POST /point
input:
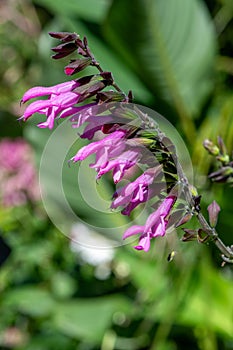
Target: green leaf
[(88, 318), (30, 300), (210, 303), (89, 9), (171, 44)]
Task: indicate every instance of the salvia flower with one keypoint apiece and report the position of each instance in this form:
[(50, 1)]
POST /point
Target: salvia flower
[(124, 139), (112, 144), (120, 164), (63, 98), (60, 99), (155, 225), (136, 192)]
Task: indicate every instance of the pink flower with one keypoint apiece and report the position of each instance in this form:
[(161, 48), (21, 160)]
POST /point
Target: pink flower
[(155, 225), (119, 165), (58, 89), (111, 154), (61, 100), (136, 192), (18, 179), (109, 146)]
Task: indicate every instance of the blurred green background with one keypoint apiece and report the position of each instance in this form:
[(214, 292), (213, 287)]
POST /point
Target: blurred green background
[(176, 56)]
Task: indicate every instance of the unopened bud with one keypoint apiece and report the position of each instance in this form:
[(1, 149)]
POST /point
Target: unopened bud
[(63, 50), (223, 158), (222, 175), (213, 210), (211, 147), (64, 36), (76, 66), (222, 147)]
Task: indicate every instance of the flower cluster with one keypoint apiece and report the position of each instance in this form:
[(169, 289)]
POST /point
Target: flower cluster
[(18, 181), (123, 139)]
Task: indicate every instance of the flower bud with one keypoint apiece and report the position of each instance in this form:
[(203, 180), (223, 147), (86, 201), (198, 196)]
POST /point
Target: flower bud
[(211, 147), (222, 147), (213, 210), (63, 50), (222, 175), (76, 66), (64, 36), (223, 158)]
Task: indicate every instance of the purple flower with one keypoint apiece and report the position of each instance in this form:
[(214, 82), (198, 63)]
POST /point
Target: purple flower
[(155, 225), (61, 100), (119, 165), (95, 123), (104, 149), (111, 154), (58, 89), (136, 192)]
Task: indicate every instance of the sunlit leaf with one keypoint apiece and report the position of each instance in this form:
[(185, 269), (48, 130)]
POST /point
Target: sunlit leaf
[(170, 44)]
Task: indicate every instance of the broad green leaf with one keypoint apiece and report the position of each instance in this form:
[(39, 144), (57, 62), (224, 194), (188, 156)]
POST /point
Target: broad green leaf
[(88, 318), (89, 9), (30, 300), (170, 44)]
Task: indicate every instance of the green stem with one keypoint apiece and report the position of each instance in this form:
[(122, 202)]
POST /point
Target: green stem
[(227, 252)]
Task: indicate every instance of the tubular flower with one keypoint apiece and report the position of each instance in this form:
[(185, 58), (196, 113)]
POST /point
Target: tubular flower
[(58, 89), (136, 192), (120, 164), (104, 149), (61, 99), (155, 225)]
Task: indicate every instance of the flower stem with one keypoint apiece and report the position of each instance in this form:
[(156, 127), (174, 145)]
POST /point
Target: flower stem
[(227, 252), (98, 66)]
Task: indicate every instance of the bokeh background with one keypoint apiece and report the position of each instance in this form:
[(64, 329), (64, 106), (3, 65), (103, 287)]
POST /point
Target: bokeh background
[(176, 56)]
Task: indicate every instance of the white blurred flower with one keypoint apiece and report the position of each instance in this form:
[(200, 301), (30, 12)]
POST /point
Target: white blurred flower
[(93, 248)]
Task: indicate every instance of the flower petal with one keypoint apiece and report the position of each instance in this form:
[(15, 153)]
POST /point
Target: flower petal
[(144, 243), (38, 91), (133, 230)]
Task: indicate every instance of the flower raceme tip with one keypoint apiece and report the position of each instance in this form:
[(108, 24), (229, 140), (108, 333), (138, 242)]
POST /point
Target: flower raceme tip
[(122, 144)]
